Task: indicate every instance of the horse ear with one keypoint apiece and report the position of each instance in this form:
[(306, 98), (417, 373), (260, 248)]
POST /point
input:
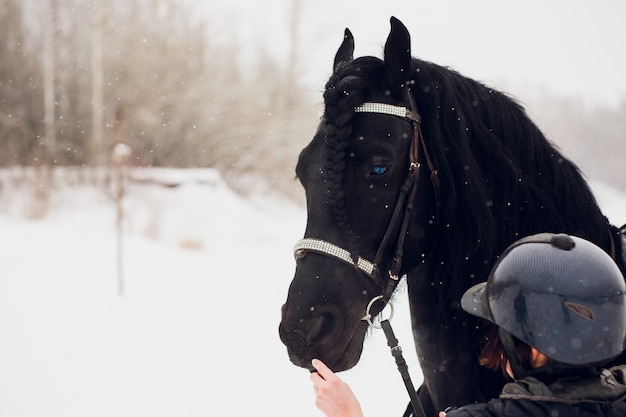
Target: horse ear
[(398, 55), (345, 51)]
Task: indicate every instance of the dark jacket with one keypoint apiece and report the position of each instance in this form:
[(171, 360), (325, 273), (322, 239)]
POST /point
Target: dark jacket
[(600, 395)]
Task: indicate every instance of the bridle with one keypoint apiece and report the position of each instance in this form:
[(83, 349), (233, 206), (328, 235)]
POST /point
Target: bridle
[(399, 221), (401, 213)]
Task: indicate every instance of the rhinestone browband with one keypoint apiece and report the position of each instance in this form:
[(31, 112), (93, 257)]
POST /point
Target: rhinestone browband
[(390, 109)]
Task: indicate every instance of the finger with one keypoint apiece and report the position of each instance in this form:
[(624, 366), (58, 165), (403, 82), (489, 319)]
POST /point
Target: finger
[(316, 378), (316, 390), (322, 369)]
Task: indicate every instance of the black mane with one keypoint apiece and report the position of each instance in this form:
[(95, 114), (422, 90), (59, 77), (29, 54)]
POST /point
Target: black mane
[(348, 87), (501, 178)]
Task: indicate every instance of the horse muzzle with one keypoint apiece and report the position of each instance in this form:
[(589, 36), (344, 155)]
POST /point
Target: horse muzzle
[(321, 333)]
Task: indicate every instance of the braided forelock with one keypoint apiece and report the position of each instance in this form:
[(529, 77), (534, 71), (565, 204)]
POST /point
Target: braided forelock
[(344, 91)]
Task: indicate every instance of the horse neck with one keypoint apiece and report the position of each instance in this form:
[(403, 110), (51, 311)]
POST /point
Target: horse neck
[(448, 343)]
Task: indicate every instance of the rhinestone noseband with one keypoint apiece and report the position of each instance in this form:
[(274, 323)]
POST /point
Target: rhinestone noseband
[(326, 248)]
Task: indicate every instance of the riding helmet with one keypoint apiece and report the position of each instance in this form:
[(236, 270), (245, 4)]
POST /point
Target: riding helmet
[(561, 294)]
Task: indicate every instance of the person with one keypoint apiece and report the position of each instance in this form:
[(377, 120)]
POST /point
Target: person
[(333, 396), (558, 308)]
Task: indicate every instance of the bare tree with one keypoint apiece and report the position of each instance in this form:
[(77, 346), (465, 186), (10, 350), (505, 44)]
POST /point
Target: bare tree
[(21, 104), (97, 84), (48, 60)]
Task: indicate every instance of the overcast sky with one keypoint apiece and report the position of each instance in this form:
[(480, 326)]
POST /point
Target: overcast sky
[(569, 47)]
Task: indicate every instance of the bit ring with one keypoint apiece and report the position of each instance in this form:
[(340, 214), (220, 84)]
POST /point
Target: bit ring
[(368, 315)]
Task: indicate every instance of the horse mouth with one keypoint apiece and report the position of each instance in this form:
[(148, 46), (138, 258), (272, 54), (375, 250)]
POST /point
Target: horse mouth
[(325, 339)]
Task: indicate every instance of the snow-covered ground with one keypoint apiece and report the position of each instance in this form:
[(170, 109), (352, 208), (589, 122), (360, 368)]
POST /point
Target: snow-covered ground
[(194, 333)]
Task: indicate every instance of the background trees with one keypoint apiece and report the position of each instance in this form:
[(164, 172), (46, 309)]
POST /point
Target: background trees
[(144, 72), (77, 77)]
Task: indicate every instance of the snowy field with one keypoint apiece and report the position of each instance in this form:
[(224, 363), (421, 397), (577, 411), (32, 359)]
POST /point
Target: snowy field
[(195, 332)]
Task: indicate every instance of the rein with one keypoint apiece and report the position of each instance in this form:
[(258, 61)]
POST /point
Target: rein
[(398, 223)]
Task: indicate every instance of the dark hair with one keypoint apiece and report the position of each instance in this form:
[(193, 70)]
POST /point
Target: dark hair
[(493, 355)]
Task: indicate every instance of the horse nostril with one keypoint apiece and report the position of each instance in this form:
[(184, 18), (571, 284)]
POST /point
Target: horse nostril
[(317, 325), (318, 328), (321, 328)]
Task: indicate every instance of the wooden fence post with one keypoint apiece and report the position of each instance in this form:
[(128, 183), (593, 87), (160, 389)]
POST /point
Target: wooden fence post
[(121, 154)]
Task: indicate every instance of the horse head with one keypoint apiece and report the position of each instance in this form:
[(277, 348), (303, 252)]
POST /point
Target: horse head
[(362, 173)]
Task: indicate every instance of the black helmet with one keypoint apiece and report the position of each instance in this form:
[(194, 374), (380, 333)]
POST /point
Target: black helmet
[(561, 294)]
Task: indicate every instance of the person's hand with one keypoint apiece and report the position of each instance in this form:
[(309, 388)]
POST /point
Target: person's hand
[(333, 396)]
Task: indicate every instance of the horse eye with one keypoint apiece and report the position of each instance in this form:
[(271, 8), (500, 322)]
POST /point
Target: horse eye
[(378, 170)]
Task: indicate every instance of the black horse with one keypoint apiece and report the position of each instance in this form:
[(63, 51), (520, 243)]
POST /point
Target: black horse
[(417, 170)]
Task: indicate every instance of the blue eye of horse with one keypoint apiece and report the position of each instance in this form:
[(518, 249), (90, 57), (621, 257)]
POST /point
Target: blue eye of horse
[(378, 170)]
